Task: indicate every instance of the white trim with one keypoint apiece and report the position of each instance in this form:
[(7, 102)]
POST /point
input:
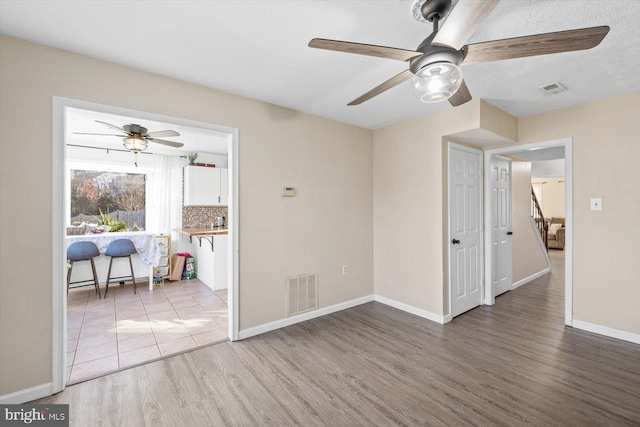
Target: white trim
[(568, 225), (528, 279), (233, 163), (58, 252), (27, 395), (451, 145), (59, 197), (567, 143), (438, 318), (288, 321), (606, 331)]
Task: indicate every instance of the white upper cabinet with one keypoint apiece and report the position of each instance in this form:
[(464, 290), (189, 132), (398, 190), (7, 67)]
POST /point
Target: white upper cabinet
[(205, 186)]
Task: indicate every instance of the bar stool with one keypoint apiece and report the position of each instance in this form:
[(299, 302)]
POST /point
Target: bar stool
[(83, 251), (121, 248)]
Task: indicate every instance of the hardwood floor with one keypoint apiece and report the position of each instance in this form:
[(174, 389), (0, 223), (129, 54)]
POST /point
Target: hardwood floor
[(511, 364)]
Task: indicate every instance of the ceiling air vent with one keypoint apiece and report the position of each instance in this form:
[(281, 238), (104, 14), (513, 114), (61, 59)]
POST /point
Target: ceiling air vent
[(302, 293), (552, 88)]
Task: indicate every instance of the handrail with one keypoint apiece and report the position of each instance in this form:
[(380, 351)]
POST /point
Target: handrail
[(538, 218)]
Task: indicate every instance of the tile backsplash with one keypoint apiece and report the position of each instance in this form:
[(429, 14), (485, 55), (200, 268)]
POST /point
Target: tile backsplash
[(202, 216)]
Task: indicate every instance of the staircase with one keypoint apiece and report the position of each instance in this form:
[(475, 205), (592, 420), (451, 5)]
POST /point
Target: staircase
[(538, 219)]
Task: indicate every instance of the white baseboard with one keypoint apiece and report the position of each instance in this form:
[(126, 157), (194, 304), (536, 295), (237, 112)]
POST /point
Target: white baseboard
[(606, 331), (438, 318), (288, 321), (528, 279), (27, 395)]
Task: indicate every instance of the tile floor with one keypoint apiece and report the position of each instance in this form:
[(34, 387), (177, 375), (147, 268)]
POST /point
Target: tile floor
[(127, 329)]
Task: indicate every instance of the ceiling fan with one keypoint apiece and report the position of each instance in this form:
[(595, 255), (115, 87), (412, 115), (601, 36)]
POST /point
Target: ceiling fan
[(434, 65), (137, 137)]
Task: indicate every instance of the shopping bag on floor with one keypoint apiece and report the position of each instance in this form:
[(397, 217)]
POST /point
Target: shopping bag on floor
[(177, 265), (190, 271)]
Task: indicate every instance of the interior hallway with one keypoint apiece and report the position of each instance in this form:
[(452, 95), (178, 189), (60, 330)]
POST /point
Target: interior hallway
[(514, 363)]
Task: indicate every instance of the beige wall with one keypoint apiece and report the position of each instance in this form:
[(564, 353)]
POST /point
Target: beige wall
[(552, 202), (606, 244), (410, 212), (407, 213), (327, 225), (528, 255)]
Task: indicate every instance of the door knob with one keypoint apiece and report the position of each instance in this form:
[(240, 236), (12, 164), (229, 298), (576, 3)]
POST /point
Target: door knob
[(509, 233), (455, 241)]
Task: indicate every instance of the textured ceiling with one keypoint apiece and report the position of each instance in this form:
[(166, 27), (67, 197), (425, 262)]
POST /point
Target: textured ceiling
[(259, 49)]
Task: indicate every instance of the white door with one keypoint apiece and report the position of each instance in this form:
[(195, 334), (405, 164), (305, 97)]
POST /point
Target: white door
[(501, 274), (465, 229)]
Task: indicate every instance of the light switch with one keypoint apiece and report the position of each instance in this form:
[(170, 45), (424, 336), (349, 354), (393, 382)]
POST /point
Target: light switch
[(288, 191), (596, 204)]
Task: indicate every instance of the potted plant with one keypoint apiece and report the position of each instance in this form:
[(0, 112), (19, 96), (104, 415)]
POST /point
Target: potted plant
[(192, 158)]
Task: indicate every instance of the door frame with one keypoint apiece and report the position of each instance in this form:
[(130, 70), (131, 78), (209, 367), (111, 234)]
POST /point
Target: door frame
[(450, 146), (567, 143), (490, 219), (58, 223)]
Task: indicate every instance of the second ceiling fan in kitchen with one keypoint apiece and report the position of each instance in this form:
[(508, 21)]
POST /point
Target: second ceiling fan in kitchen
[(136, 138), (434, 65)]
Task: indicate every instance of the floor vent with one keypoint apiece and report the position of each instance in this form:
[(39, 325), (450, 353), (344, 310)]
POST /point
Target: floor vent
[(302, 293)]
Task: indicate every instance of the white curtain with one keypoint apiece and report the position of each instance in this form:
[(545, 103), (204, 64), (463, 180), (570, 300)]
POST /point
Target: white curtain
[(166, 195)]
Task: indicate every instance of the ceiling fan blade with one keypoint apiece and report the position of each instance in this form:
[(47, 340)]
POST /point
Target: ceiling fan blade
[(461, 96), (539, 44), (393, 81), (112, 126), (163, 133), (364, 49), (100, 134), (463, 21), (165, 142)]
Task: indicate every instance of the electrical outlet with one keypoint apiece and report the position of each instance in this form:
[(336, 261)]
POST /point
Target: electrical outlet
[(345, 269)]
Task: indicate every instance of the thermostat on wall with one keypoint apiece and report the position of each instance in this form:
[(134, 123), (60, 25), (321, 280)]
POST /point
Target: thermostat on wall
[(288, 191)]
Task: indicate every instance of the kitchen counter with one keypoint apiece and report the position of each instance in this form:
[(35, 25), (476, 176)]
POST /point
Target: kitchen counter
[(204, 231)]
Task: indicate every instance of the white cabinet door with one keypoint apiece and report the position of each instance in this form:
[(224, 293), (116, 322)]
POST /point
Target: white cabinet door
[(201, 186), (224, 187), (220, 273)]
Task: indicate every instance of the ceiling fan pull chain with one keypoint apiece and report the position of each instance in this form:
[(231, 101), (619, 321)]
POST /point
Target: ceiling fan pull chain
[(136, 162)]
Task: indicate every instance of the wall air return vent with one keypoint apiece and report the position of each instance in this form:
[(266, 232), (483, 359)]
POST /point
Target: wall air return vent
[(302, 293), (552, 88)]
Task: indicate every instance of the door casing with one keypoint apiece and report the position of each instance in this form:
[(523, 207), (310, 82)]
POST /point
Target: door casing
[(567, 143), (58, 249)]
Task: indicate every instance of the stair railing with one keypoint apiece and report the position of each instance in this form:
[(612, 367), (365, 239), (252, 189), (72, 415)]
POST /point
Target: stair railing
[(538, 219)]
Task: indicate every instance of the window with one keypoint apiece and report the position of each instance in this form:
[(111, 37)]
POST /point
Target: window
[(120, 195)]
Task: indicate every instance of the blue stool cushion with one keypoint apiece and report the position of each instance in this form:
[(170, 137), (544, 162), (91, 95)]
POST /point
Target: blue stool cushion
[(121, 247), (81, 251)]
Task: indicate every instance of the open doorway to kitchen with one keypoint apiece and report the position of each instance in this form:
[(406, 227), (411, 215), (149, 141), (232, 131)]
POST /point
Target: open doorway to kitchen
[(176, 290)]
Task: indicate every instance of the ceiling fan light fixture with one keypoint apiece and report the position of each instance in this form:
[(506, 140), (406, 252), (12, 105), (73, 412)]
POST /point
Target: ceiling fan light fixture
[(437, 82), (135, 143)]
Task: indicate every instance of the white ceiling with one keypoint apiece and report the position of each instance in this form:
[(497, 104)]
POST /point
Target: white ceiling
[(194, 139), (259, 49)]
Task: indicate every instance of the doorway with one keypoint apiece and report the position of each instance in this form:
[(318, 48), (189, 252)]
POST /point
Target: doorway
[(564, 145), (61, 108)]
